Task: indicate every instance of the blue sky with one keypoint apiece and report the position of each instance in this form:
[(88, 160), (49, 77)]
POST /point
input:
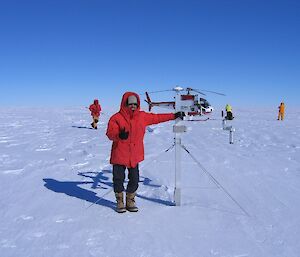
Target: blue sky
[(62, 53)]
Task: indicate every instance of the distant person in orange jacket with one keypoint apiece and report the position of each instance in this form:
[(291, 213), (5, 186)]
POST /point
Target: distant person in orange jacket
[(281, 111), (126, 129), (95, 109)]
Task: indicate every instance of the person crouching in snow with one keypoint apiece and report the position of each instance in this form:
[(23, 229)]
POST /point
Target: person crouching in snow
[(95, 109), (126, 129)]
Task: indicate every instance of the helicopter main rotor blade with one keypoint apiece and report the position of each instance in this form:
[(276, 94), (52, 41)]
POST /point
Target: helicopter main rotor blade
[(159, 91), (177, 88), (154, 92), (211, 92), (196, 90)]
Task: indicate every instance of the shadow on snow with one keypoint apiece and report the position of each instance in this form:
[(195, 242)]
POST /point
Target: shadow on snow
[(73, 189), (98, 180), (81, 127)]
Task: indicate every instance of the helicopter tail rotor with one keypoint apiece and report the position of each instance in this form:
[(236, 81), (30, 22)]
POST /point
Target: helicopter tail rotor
[(148, 101)]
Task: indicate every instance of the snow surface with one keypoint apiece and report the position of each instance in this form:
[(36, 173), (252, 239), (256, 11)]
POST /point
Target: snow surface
[(53, 168)]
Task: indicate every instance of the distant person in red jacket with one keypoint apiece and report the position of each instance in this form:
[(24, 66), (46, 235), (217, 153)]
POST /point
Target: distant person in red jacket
[(126, 129), (95, 109)]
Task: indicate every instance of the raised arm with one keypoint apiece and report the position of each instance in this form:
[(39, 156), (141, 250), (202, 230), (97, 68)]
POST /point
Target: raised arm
[(151, 118)]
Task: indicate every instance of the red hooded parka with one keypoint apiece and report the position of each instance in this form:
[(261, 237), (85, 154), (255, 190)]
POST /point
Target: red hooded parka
[(130, 152), (95, 108)]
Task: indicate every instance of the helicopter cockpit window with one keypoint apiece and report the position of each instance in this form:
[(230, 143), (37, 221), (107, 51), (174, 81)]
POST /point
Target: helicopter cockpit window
[(205, 104)]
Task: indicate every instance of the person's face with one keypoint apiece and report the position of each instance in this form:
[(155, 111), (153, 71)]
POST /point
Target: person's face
[(132, 106)]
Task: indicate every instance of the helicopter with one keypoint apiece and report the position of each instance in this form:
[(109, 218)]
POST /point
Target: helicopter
[(187, 101)]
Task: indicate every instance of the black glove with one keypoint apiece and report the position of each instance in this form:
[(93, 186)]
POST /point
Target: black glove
[(123, 134), (179, 115)]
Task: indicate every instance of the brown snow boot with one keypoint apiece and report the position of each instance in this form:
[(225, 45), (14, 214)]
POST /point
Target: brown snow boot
[(130, 202), (120, 203)]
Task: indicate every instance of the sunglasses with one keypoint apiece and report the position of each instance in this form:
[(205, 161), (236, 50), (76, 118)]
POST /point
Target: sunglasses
[(135, 104)]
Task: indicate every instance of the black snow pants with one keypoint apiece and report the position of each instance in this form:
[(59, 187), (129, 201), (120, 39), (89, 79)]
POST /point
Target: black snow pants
[(119, 178), (229, 116)]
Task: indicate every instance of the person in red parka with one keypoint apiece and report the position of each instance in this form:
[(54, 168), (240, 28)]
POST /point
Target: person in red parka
[(126, 129), (95, 109)]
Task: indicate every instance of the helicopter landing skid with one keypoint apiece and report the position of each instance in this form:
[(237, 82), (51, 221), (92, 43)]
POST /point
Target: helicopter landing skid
[(198, 119)]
